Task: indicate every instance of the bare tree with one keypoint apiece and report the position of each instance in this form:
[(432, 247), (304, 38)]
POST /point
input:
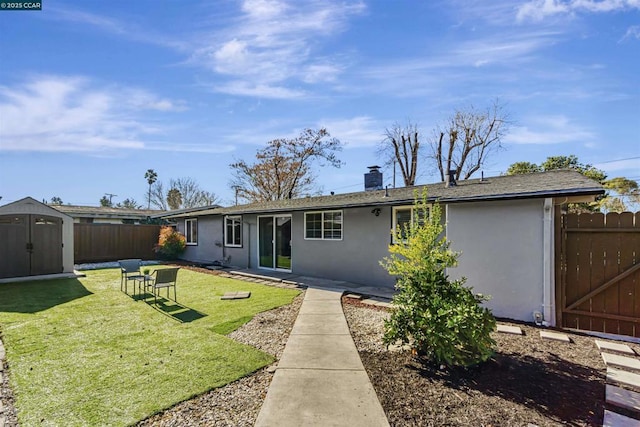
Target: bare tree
[(191, 194), (158, 196), (283, 168), (183, 193), (467, 139), (402, 145)]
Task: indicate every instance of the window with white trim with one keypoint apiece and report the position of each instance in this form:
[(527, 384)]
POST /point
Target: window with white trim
[(403, 217), (325, 225), (233, 231), (191, 231)]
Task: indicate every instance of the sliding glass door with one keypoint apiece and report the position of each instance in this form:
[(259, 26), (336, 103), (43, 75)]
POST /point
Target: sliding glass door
[(274, 242)]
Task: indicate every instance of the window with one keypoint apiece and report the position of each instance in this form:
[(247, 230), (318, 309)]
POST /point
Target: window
[(403, 216), (233, 231), (323, 225), (191, 231)]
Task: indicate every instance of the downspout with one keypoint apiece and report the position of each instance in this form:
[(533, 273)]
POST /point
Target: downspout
[(223, 240), (248, 234), (548, 285)]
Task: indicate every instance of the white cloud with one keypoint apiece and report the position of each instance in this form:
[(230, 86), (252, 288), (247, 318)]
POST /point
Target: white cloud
[(549, 130), (58, 113), (245, 88), (538, 10), (633, 32), (271, 46), (356, 132)]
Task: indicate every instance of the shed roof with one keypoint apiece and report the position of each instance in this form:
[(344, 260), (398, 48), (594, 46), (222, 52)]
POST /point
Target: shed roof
[(558, 183), (28, 205)]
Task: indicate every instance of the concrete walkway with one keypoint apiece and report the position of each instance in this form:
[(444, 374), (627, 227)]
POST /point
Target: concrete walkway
[(320, 380), (338, 285)]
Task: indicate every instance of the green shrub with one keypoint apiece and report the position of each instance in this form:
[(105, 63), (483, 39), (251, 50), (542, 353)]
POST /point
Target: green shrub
[(171, 244), (441, 319)]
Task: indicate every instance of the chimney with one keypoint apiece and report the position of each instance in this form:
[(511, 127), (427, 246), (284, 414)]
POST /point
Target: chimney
[(373, 179), (451, 178)]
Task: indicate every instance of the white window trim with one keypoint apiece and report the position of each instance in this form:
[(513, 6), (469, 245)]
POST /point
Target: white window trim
[(188, 238), (232, 245), (322, 225), (394, 219)]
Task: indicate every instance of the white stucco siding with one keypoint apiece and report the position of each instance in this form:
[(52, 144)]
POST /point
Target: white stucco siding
[(502, 253)]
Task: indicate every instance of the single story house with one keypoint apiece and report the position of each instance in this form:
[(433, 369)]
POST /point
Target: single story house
[(503, 226), (106, 215), (37, 240)]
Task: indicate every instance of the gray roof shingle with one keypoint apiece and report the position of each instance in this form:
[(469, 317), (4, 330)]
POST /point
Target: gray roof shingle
[(543, 184)]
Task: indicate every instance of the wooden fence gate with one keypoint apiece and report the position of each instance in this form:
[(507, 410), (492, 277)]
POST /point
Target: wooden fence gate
[(598, 272)]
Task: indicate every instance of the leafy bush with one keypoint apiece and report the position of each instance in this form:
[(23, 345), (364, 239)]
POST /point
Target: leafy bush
[(441, 319), (171, 244)]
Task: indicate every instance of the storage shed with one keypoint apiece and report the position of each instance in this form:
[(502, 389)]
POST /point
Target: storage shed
[(35, 240)]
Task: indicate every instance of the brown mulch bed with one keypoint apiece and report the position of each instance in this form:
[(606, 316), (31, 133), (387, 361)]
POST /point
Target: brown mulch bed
[(528, 381)]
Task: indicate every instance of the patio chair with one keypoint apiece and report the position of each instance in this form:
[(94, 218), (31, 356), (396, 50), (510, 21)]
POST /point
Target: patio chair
[(129, 270), (164, 278)]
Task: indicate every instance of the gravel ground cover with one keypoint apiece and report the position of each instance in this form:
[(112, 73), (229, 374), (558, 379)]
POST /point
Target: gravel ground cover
[(530, 381)]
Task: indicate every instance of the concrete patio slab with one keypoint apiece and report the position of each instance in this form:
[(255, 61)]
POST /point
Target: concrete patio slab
[(620, 361), (623, 398), (310, 352), (613, 419), (236, 295), (613, 346), (623, 377), (555, 336), (506, 329), (320, 324), (321, 398)]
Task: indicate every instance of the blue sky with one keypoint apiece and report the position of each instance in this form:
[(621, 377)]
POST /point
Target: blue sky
[(94, 93)]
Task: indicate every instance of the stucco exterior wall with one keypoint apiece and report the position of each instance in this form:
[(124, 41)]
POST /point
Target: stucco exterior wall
[(354, 258), (209, 239), (502, 253)]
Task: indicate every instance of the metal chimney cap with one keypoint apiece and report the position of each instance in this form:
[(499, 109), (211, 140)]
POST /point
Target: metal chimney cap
[(374, 168)]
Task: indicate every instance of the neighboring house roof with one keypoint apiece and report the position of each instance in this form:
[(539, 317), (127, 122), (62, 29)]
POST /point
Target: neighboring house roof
[(558, 183), (105, 212), (180, 212)]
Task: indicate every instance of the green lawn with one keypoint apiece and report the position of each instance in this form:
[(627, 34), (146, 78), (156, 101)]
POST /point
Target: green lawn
[(81, 352)]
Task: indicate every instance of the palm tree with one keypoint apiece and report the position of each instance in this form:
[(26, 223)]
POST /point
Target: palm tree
[(151, 176)]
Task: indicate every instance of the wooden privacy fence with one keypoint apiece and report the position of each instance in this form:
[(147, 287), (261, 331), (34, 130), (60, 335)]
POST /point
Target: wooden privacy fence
[(599, 273), (110, 242)]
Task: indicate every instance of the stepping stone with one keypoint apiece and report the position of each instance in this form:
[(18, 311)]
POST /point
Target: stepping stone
[(236, 295), (506, 329), (556, 336), (353, 296), (2, 353), (623, 377), (620, 361), (612, 419), (612, 346), (623, 398)]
